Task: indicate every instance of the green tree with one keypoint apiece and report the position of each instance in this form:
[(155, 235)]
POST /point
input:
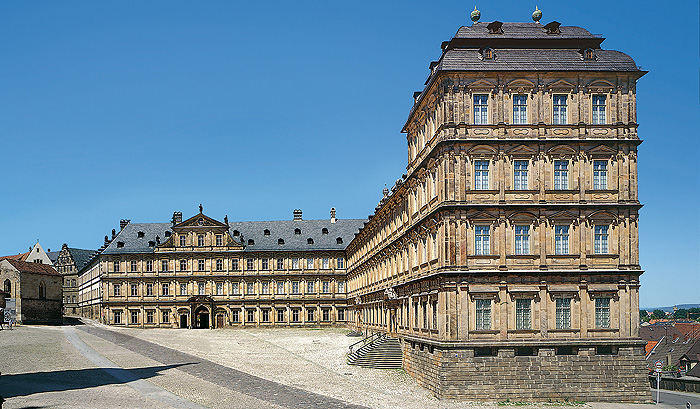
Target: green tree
[(680, 313), (656, 314), (643, 316)]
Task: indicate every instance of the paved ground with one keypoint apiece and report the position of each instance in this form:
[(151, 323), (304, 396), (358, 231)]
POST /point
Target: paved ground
[(87, 366)]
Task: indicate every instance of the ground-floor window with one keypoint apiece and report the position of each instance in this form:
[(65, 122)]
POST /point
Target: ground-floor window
[(310, 314), (265, 315), (134, 317), (234, 316), (326, 314), (250, 317), (295, 315), (165, 317), (341, 315), (117, 317), (280, 315), (149, 317)]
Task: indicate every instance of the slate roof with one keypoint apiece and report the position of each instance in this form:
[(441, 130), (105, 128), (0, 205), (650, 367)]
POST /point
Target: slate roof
[(522, 30), (81, 257), (53, 255), (37, 268), (343, 228)]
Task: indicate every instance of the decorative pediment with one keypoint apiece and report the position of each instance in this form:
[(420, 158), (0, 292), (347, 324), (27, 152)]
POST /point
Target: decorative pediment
[(563, 215), (483, 150), (481, 85), (600, 86), (522, 151), (200, 221), (481, 216), (560, 85), (603, 216), (520, 216), (564, 151), (520, 85), (602, 150)]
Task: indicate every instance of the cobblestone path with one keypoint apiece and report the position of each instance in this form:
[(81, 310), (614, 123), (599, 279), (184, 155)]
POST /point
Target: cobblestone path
[(259, 388)]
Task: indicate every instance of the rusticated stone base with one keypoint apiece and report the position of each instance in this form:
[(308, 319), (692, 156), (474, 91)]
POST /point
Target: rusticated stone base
[(455, 373)]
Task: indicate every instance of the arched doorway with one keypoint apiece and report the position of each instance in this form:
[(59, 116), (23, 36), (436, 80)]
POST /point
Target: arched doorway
[(201, 317)]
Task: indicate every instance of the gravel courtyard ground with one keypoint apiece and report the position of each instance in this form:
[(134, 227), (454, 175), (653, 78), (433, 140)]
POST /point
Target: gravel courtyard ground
[(87, 366)]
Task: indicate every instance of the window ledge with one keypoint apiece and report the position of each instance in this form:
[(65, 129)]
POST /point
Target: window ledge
[(485, 331), (602, 256), (601, 191), (523, 331), (522, 256), (564, 330), (573, 256), (603, 330)]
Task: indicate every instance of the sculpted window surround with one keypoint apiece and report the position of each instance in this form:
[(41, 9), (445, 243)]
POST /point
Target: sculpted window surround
[(481, 109), (520, 109), (598, 108)]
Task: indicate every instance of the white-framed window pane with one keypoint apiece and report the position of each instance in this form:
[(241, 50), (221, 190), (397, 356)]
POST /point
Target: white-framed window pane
[(563, 313), (481, 109), (481, 174), (250, 288), (483, 314), (523, 314), (235, 288), (280, 287), (310, 287), (200, 288), (561, 239), (183, 289), (598, 109), (559, 105), (601, 239), (602, 312), (561, 174), (309, 263), (482, 238), (219, 288), (520, 109), (520, 175), (265, 287), (600, 174), (522, 239)]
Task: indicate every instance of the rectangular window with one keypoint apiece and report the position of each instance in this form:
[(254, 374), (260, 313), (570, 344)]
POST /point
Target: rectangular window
[(250, 288), (310, 314), (326, 314), (280, 315), (200, 288), (165, 317), (326, 287), (149, 265), (559, 116), (219, 240), (266, 264), (295, 315), (265, 287), (115, 266), (165, 289), (598, 109), (424, 307), (483, 314), (481, 109), (280, 264), (134, 317), (523, 314), (235, 317), (561, 174), (250, 317), (602, 312), (219, 288), (164, 265), (133, 266), (183, 265), (563, 313), (183, 240), (309, 263), (149, 317), (295, 263), (481, 175), (522, 239), (341, 314), (249, 264), (600, 174), (520, 175), (117, 317), (482, 240), (434, 308), (341, 262), (200, 240), (117, 290), (280, 287), (183, 289), (309, 287), (561, 239), (520, 109), (600, 239), (234, 264), (415, 314), (325, 263), (134, 290), (235, 289), (341, 286), (200, 265), (295, 287), (149, 289), (265, 315)]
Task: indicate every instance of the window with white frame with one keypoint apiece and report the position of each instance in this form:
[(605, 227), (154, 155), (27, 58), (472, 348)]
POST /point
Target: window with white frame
[(602, 312), (481, 109), (219, 288), (183, 289), (165, 289), (598, 109), (433, 246), (234, 264), (149, 265), (134, 317), (559, 105), (280, 264), (295, 263), (522, 239), (183, 265), (424, 250), (235, 316), (117, 317), (325, 263), (295, 287), (280, 315), (183, 240), (249, 264), (265, 287), (433, 184), (341, 286), (482, 236), (561, 174), (149, 289), (563, 313), (134, 290), (309, 263), (250, 288), (341, 262), (326, 287), (520, 175), (561, 239), (200, 265), (200, 288), (165, 317), (523, 313), (200, 240), (219, 240), (133, 266), (265, 315), (600, 239), (280, 287), (235, 289), (164, 265), (266, 264), (149, 317), (219, 264), (481, 175), (483, 314), (520, 109), (310, 287), (310, 314), (115, 266), (117, 288), (600, 174)]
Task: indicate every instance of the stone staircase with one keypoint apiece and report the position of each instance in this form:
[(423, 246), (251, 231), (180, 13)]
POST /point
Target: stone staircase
[(382, 353)]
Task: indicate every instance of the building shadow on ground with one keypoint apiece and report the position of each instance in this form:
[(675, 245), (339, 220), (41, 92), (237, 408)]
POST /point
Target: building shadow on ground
[(25, 384)]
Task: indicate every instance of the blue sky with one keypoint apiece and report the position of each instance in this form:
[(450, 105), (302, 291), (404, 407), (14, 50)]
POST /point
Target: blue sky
[(130, 109)]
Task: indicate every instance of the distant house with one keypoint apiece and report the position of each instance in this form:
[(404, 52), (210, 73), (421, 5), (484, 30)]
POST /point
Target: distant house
[(37, 289), (36, 254), (689, 360), (68, 262), (674, 349)]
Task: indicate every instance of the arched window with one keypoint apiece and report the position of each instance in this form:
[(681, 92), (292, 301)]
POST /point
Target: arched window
[(7, 286), (42, 291)]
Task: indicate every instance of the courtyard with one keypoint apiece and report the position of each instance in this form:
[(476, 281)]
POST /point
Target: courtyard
[(91, 365)]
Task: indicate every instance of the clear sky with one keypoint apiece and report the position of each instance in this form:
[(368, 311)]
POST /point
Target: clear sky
[(132, 110)]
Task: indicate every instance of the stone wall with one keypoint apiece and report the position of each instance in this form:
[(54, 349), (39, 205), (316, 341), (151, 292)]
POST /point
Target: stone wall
[(455, 373), (36, 311)]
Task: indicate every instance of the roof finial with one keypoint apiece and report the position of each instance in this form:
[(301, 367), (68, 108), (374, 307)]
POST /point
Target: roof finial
[(536, 15), (476, 15)]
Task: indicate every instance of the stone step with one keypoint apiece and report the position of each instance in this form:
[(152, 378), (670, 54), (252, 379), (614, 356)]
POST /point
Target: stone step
[(384, 353)]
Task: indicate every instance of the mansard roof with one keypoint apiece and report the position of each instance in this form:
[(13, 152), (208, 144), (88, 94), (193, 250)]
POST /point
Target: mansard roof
[(344, 229)]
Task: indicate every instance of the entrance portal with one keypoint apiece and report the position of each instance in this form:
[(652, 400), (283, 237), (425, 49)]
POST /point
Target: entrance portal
[(183, 320), (201, 318)]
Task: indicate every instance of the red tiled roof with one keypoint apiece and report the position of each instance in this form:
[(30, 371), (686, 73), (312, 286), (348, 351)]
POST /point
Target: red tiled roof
[(21, 257), (36, 268), (650, 346)]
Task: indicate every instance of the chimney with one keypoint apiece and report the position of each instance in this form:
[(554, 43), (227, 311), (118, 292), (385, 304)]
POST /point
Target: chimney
[(332, 214), (123, 223), (177, 218), (297, 214)]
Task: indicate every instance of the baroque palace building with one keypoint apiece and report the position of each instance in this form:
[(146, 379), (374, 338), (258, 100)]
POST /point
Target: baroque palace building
[(506, 259)]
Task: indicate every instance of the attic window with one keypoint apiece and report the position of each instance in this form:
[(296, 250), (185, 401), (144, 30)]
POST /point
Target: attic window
[(495, 27), (487, 53), (236, 233), (266, 232), (120, 244), (588, 54), (251, 242), (280, 241), (297, 231), (140, 234), (553, 27), (324, 231), (151, 243), (167, 234), (339, 240), (309, 241)]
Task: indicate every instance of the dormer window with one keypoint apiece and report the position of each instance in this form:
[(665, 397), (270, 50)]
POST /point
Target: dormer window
[(236, 233), (487, 53), (280, 241), (120, 244), (266, 232), (588, 54), (339, 240), (309, 241), (151, 244), (167, 234), (553, 27), (495, 27), (251, 242), (324, 231), (297, 231), (140, 234)]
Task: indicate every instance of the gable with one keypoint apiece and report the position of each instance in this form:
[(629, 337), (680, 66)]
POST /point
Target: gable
[(522, 150)]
